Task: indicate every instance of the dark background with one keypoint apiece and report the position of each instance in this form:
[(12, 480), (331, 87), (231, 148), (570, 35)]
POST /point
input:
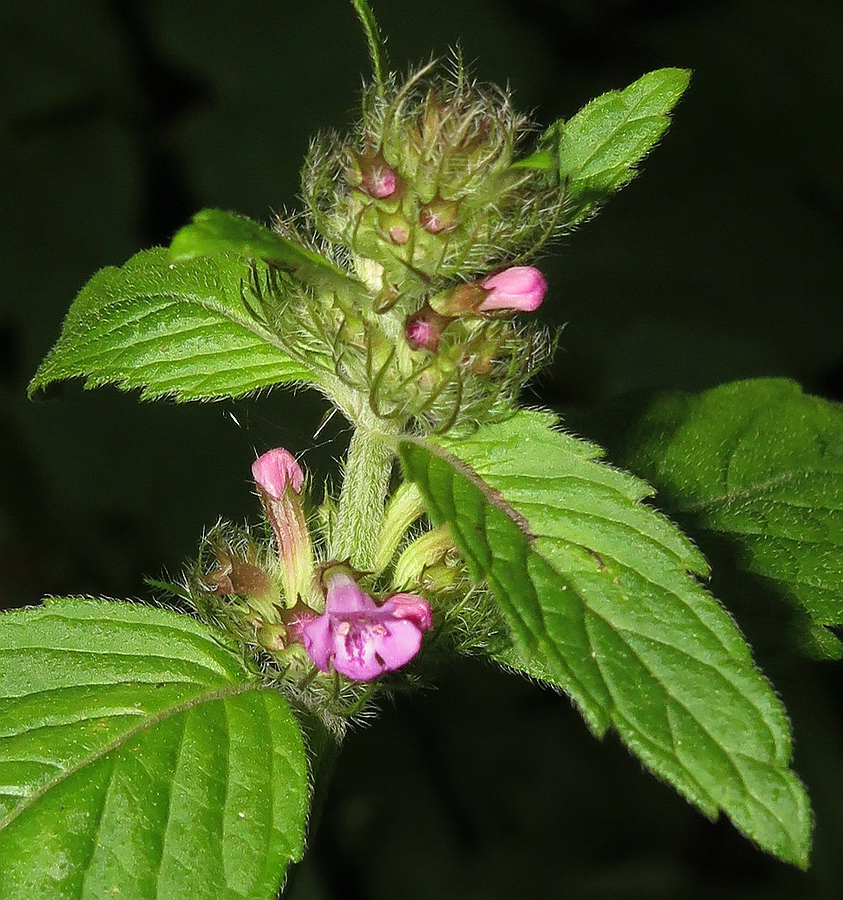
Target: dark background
[(121, 118)]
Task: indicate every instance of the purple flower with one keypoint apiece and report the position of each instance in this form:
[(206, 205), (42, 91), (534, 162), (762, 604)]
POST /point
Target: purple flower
[(518, 288), (360, 639)]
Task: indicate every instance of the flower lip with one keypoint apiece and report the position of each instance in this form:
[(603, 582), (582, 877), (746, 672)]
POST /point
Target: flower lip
[(360, 639), (518, 288), (411, 607), (275, 470)]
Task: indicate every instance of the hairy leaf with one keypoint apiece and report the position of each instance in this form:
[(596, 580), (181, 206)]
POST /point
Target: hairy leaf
[(761, 464), (179, 329), (596, 151), (596, 590), (214, 231), (374, 39), (139, 759)]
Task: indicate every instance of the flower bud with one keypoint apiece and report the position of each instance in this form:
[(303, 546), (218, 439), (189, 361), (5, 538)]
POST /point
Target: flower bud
[(424, 328), (518, 288), (275, 470), (280, 480), (462, 300), (395, 226), (235, 575), (374, 176), (439, 215)]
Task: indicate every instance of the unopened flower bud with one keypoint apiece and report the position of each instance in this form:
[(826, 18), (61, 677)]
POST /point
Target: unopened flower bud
[(424, 328), (235, 575), (275, 470), (439, 215), (480, 360), (459, 301), (440, 578), (374, 176), (280, 480), (395, 226), (516, 289)]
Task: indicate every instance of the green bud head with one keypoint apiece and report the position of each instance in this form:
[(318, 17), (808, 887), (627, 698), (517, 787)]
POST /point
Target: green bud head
[(438, 152)]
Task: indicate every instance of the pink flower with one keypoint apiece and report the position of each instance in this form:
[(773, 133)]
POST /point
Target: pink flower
[(280, 480), (275, 470), (518, 288), (360, 639)]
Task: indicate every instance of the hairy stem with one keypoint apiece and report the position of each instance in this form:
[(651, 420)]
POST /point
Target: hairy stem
[(365, 485)]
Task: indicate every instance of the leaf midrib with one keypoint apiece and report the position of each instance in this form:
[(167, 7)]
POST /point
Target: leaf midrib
[(624, 122), (756, 491), (219, 694)]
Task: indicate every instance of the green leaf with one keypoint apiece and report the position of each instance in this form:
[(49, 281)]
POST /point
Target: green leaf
[(596, 590), (374, 39), (761, 464), (598, 149), (178, 329), (140, 759), (215, 231)]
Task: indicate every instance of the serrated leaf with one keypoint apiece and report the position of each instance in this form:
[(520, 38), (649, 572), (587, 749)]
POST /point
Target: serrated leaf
[(596, 590), (177, 329), (762, 464), (215, 231), (140, 759), (598, 149)]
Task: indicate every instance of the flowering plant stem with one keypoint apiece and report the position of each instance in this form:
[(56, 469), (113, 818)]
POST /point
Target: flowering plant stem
[(395, 293), (368, 468)]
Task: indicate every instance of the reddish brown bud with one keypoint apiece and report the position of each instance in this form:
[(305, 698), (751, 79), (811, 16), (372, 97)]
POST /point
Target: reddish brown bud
[(464, 299), (239, 576), (439, 215), (423, 329), (395, 226), (374, 176)]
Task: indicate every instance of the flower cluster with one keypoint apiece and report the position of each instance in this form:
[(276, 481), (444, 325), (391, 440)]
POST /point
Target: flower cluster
[(428, 188), (294, 605), (428, 209)]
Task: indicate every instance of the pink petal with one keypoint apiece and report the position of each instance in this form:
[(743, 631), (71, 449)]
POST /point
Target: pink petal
[(274, 470), (400, 646), (412, 607), (518, 288), (366, 649), (346, 596), (319, 642), (355, 651)]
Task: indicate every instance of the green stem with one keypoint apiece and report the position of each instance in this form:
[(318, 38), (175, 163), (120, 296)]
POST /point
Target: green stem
[(368, 467)]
